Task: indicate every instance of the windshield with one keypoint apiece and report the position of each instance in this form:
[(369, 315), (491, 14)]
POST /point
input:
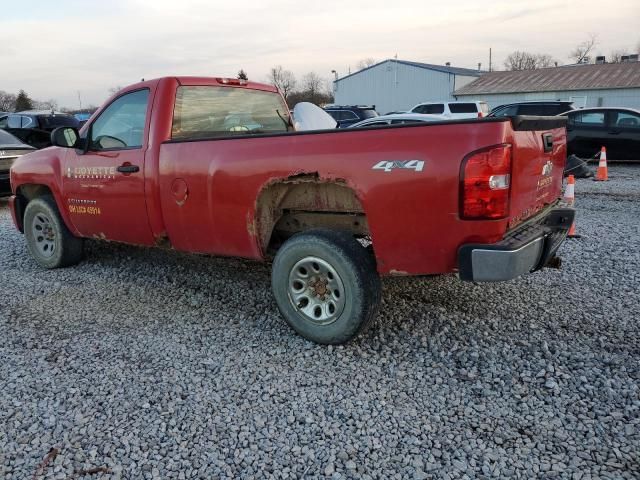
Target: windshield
[(205, 111)]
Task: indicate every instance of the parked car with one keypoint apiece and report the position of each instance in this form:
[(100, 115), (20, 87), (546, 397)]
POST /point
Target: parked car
[(10, 149), (164, 170), (541, 109), (399, 119), (34, 127), (453, 109), (617, 129), (347, 115)]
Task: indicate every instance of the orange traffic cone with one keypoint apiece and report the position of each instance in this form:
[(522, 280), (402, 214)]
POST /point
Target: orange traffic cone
[(569, 198), (602, 175)]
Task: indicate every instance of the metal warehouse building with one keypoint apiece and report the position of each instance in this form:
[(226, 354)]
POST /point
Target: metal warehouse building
[(596, 85), (399, 85)]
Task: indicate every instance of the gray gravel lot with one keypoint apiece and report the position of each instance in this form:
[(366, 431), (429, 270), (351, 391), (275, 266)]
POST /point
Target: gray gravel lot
[(153, 364)]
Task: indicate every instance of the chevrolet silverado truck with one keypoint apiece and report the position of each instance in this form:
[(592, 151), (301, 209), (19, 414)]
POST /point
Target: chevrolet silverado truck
[(213, 166)]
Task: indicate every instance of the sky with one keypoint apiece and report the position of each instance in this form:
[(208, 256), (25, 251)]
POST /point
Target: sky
[(66, 49)]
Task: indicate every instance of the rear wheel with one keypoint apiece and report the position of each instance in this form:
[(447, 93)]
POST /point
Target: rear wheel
[(49, 240), (326, 285)]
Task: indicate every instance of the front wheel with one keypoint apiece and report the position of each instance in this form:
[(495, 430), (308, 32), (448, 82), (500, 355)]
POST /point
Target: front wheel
[(326, 285), (49, 240)]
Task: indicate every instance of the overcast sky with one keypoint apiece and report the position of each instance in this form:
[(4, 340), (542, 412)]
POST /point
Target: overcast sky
[(55, 49)]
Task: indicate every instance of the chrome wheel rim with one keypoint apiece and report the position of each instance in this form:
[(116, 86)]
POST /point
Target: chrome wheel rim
[(44, 235), (316, 291)]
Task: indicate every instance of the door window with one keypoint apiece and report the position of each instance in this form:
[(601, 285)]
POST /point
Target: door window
[(347, 115), (588, 119), (432, 108), (625, 120), (121, 124), (463, 108), (509, 111)]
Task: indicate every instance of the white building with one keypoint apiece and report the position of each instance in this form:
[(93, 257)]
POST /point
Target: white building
[(394, 85), (589, 85)]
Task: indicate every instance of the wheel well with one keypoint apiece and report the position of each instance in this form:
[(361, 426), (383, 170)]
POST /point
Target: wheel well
[(24, 194), (303, 202)]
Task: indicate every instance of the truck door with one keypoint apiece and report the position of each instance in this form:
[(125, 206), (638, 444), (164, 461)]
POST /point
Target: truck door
[(103, 188), (623, 142)]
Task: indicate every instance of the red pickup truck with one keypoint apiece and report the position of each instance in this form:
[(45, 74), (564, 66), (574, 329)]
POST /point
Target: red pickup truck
[(213, 166)]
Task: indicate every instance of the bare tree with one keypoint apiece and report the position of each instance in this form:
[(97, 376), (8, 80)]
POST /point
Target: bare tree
[(544, 60), (50, 104), (242, 75), (616, 56), (283, 80), (314, 89), (528, 61), (114, 90), (312, 83), (365, 63), (580, 54), (7, 101)]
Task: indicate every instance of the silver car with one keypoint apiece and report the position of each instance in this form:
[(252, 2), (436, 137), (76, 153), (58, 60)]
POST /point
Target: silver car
[(399, 119)]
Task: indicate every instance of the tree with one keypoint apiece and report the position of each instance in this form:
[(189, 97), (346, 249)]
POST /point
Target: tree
[(114, 90), (545, 60), (616, 56), (528, 61), (580, 54), (23, 102), (365, 63), (50, 104), (283, 80), (314, 90), (7, 102), (242, 75)]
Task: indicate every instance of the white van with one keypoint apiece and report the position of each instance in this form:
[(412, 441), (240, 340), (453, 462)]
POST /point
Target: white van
[(453, 109)]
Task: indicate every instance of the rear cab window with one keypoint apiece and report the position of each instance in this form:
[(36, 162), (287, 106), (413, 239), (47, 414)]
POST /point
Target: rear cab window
[(368, 113), (211, 111)]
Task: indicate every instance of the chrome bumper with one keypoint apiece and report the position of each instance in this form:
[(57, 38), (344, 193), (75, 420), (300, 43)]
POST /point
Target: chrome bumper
[(524, 250)]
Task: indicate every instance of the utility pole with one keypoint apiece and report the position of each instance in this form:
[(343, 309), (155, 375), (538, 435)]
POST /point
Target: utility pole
[(79, 100), (489, 58)]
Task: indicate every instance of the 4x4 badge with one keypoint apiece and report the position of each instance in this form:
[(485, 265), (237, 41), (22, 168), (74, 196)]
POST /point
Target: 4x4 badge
[(388, 165)]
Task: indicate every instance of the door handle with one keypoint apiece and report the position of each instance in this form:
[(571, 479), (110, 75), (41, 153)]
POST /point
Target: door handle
[(128, 168)]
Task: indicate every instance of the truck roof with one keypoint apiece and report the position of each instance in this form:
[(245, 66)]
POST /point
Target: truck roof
[(213, 81)]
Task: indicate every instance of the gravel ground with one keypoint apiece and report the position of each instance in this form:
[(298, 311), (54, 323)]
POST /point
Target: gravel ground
[(152, 364)]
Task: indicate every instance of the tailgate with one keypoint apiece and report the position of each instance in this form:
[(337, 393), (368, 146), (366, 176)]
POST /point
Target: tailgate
[(539, 155)]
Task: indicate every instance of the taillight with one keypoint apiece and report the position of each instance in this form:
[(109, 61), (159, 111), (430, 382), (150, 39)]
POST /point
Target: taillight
[(480, 115), (486, 184)]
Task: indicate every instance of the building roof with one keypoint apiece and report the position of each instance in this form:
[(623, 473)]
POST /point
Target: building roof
[(428, 66), (573, 77)]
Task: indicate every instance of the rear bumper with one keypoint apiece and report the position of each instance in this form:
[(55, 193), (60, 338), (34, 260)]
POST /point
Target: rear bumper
[(526, 249)]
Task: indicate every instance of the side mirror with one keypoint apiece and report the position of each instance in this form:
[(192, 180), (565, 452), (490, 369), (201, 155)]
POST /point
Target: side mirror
[(66, 137)]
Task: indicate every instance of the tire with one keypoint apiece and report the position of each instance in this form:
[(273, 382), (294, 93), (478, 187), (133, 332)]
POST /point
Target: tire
[(49, 241), (326, 285)]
